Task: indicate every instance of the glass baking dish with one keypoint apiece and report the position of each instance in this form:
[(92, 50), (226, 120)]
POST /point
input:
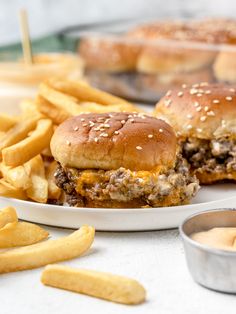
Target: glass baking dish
[(122, 60)]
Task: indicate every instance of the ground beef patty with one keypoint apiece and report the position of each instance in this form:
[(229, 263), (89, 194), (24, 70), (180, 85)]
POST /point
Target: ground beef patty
[(210, 155), (124, 185)]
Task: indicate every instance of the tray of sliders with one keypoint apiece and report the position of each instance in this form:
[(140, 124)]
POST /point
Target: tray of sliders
[(77, 155), (142, 59)]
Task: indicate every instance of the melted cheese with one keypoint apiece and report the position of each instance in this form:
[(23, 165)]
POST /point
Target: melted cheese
[(91, 177)]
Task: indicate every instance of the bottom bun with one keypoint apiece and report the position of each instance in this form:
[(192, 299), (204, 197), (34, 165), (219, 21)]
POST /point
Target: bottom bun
[(205, 177), (172, 200)]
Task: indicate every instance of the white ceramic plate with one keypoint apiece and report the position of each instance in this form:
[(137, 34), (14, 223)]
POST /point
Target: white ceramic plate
[(210, 197)]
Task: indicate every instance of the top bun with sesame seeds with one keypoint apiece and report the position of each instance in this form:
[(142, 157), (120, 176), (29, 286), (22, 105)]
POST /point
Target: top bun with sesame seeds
[(203, 110), (111, 140)]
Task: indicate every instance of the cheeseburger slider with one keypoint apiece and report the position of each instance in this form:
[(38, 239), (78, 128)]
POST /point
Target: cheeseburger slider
[(120, 160), (204, 118)]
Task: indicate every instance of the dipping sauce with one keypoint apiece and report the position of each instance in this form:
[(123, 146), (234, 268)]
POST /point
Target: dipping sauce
[(223, 238)]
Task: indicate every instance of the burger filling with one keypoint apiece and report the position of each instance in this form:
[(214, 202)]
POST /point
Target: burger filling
[(154, 188), (218, 155)]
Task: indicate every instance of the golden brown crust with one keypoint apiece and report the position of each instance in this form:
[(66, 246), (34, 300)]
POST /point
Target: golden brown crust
[(203, 110), (210, 178), (110, 141), (108, 55), (225, 67), (216, 30)]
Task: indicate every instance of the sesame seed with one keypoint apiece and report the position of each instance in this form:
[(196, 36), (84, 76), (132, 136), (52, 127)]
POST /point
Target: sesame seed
[(223, 122), (131, 120), (196, 104), (232, 90), (208, 92), (210, 113), (104, 135), (122, 121), (216, 101), (139, 148), (206, 108), (167, 102), (105, 125), (91, 123), (76, 128), (204, 84), (96, 139), (203, 118), (116, 132), (193, 91), (199, 130), (199, 95), (68, 143), (178, 133), (97, 128), (82, 119), (184, 86), (168, 93), (180, 94), (198, 108), (130, 116), (161, 130), (195, 85), (150, 135), (229, 98), (189, 127), (189, 116), (85, 124), (111, 115)]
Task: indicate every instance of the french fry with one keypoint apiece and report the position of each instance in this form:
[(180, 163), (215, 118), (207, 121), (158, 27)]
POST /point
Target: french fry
[(17, 133), (62, 101), (7, 215), (6, 122), (8, 190), (84, 92), (97, 284), (31, 146), (29, 108), (1, 134), (54, 191), (51, 251), (38, 191), (57, 115), (20, 234), (17, 177)]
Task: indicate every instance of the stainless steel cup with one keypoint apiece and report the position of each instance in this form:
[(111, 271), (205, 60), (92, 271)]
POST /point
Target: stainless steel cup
[(210, 267)]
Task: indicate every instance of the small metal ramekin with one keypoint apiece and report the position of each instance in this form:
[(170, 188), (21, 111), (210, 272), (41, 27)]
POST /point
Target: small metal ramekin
[(210, 267)]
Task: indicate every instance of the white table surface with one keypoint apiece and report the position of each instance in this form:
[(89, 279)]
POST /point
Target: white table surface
[(155, 258)]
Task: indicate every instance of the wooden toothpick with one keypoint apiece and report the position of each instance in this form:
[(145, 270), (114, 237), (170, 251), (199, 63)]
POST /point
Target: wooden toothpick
[(25, 37)]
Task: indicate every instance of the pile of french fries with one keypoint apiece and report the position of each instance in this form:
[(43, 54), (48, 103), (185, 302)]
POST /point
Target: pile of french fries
[(26, 164), (33, 252)]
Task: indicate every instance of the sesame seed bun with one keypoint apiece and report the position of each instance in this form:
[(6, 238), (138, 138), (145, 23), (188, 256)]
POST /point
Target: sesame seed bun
[(113, 140), (225, 67), (162, 59), (203, 110), (105, 54)]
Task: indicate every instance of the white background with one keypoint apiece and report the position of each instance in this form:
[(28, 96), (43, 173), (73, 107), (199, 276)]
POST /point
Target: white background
[(49, 15)]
